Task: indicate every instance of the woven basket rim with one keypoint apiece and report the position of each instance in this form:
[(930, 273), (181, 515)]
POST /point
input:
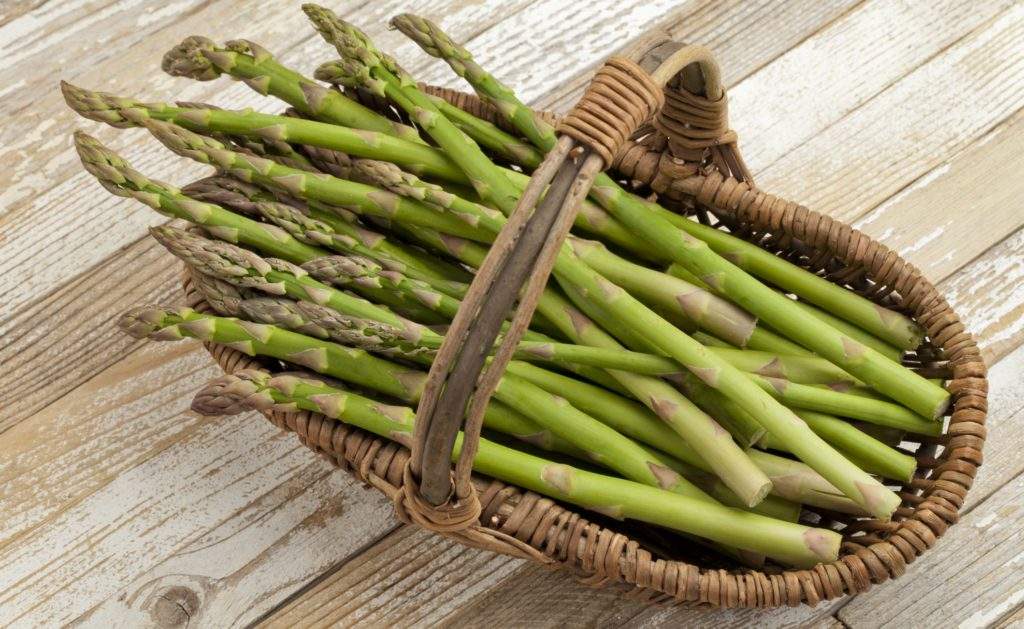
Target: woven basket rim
[(602, 557)]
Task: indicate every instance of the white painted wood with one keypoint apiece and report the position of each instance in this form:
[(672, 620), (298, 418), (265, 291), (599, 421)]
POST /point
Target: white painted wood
[(972, 580), (202, 509), (988, 296), (744, 37), (975, 192), (117, 493), (842, 67), (905, 131)]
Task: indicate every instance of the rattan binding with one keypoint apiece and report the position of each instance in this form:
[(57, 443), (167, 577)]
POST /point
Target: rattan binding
[(688, 157)]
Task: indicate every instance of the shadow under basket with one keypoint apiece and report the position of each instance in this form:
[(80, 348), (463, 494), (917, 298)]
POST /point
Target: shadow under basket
[(656, 565)]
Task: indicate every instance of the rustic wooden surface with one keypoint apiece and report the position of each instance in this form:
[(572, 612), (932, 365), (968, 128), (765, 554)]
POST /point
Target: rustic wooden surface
[(118, 507)]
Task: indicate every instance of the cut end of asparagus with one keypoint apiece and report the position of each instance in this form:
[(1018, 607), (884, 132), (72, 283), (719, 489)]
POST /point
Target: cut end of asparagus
[(116, 111), (189, 59)]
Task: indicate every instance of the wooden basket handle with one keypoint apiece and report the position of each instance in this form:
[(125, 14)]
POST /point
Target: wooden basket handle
[(623, 96)]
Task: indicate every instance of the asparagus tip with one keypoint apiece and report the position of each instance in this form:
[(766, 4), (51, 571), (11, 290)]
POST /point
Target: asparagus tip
[(143, 321), (232, 394), (114, 110), (189, 59)]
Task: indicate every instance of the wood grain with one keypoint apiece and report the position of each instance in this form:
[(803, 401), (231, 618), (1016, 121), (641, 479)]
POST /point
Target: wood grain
[(120, 508), (908, 129), (979, 569), (116, 497), (409, 578), (925, 222), (76, 324), (743, 36)]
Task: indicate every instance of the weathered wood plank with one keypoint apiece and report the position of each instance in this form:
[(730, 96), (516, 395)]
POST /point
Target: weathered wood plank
[(60, 341), (744, 36), (974, 192), (116, 499), (988, 295), (413, 577), (909, 128), (1013, 621), (978, 563), (841, 67), (409, 578)]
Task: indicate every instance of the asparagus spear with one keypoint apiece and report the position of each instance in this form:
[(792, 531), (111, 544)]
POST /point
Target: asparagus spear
[(365, 64), (321, 225), (867, 409), (871, 454), (886, 324), (705, 309), (120, 179), (784, 541), (887, 350), (601, 443), (201, 59), (244, 268), (413, 157), (775, 309)]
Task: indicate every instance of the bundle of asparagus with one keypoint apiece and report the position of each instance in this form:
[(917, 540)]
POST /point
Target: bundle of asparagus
[(716, 384)]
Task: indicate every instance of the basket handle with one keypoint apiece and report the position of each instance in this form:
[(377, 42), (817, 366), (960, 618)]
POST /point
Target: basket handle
[(695, 117), (623, 96)]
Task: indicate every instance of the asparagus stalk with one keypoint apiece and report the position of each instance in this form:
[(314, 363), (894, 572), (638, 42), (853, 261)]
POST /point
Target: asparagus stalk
[(120, 179), (892, 327), (883, 323), (674, 410), (245, 269), (791, 480), (774, 309), (333, 140), (277, 150), (887, 350), (362, 65), (601, 443), (771, 506), (201, 59), (784, 541), (705, 309), (350, 195), (867, 409), (871, 454), (322, 227), (317, 321)]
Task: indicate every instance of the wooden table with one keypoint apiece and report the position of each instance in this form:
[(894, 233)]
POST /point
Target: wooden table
[(120, 507)]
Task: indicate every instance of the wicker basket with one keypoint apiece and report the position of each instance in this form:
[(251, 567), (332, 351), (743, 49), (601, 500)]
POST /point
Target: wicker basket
[(688, 157)]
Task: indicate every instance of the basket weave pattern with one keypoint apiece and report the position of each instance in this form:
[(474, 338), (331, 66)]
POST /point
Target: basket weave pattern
[(528, 525)]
